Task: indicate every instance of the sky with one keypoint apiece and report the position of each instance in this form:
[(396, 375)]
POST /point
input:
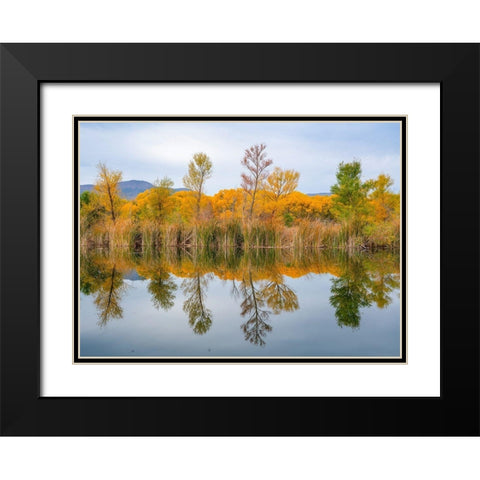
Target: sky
[(153, 150)]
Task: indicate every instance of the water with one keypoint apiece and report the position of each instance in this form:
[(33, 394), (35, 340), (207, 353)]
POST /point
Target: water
[(263, 303)]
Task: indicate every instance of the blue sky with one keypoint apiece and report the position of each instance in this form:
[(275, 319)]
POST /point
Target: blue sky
[(147, 151)]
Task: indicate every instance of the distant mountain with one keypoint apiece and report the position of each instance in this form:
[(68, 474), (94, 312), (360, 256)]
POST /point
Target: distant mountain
[(130, 188), (133, 276), (88, 187)]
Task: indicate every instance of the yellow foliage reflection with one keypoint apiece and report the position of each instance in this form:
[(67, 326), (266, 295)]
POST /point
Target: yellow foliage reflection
[(102, 277), (258, 277)]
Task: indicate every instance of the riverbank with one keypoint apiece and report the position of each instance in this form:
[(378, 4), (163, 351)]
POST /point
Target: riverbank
[(226, 235)]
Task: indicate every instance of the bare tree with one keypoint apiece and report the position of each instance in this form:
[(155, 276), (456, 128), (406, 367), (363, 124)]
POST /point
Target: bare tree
[(256, 162)]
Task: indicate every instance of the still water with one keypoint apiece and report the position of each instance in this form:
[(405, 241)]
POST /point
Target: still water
[(261, 303)]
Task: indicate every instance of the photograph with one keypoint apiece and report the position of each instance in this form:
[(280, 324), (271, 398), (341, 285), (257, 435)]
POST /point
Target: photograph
[(239, 239)]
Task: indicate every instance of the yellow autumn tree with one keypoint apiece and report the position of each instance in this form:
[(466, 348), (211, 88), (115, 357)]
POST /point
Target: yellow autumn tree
[(199, 171), (108, 191), (228, 204), (156, 203), (384, 201), (184, 206), (297, 205), (383, 226), (277, 186), (280, 183)]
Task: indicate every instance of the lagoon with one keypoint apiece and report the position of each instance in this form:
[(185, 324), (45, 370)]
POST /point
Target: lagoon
[(232, 303)]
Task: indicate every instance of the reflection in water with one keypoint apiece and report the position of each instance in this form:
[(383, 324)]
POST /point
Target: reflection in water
[(350, 293), (357, 286), (257, 277), (163, 288), (279, 296), (253, 307), (199, 316), (256, 297), (382, 284), (105, 281)]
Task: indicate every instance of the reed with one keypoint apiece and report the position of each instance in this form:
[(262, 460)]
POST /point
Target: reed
[(217, 234)]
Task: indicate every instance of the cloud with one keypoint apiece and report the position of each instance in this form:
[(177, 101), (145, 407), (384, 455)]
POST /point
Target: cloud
[(146, 151)]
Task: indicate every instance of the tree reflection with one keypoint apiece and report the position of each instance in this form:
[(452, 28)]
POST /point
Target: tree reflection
[(358, 286), (349, 293), (200, 317), (163, 288), (274, 294), (382, 285), (102, 278), (358, 281), (108, 297), (280, 297), (253, 307)]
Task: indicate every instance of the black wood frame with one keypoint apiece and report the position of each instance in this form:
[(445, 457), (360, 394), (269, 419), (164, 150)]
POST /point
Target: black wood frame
[(24, 67)]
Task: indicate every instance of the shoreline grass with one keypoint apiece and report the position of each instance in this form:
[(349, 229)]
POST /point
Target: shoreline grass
[(222, 235)]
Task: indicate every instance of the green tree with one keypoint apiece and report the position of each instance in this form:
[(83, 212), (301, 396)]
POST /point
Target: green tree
[(159, 202), (199, 171), (85, 198), (350, 204), (90, 210)]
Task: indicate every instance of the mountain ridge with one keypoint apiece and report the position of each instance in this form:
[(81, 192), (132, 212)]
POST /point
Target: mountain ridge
[(131, 188)]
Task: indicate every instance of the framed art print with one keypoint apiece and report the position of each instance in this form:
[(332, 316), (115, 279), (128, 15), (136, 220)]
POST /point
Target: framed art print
[(315, 277), (199, 238)]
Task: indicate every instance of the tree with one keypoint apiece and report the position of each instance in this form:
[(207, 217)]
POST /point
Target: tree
[(297, 205), (85, 198), (383, 226), (156, 202), (256, 162), (108, 190), (90, 210), (382, 198), (350, 201), (199, 170), (280, 183), (184, 205), (228, 204)]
